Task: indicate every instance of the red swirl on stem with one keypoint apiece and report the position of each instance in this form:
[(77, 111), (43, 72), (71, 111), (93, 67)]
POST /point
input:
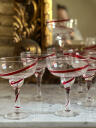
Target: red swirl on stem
[(16, 82), (90, 47), (66, 82)]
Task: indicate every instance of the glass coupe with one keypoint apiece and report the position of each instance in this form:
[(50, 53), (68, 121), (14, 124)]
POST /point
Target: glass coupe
[(67, 67), (16, 69)]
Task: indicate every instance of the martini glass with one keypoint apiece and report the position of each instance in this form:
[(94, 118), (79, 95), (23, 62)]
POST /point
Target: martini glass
[(88, 76), (39, 70), (60, 30), (64, 33), (16, 69), (67, 67)]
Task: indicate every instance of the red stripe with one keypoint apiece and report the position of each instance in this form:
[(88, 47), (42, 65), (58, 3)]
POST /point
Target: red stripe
[(56, 21), (74, 55), (13, 82), (17, 97), (90, 47), (17, 107), (71, 70), (68, 81), (41, 57), (46, 56), (94, 58), (38, 68), (92, 69), (18, 71)]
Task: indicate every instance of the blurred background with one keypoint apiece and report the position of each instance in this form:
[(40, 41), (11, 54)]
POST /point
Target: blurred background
[(82, 10)]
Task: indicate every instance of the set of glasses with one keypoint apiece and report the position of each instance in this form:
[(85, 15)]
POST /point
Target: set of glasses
[(65, 64)]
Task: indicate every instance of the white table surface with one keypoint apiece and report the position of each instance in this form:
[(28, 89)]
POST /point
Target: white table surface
[(53, 99)]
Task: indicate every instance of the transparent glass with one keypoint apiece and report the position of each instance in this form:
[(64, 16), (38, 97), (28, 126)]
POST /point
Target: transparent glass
[(16, 69), (88, 76), (80, 87), (39, 74), (67, 67), (90, 41), (65, 34), (39, 70), (90, 44)]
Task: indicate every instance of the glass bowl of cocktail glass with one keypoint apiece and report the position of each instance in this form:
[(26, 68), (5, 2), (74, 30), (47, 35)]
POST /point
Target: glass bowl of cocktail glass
[(67, 67), (60, 30), (39, 98), (16, 69), (59, 27)]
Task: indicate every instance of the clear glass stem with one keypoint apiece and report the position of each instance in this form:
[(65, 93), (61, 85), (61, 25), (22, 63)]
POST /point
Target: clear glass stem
[(16, 85), (80, 85), (16, 114), (89, 98), (67, 106), (39, 79), (81, 89)]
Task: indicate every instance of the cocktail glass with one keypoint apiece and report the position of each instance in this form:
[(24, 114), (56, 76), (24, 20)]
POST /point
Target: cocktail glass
[(67, 67), (16, 69)]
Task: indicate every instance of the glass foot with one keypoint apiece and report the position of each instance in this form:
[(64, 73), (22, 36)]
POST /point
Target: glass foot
[(16, 115), (66, 113)]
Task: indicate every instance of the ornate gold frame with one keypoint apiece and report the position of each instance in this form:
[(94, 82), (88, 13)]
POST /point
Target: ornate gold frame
[(34, 28)]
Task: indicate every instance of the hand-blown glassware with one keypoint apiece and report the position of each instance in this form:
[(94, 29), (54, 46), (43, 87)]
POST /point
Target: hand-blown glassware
[(16, 69), (39, 70), (65, 34), (60, 30), (39, 74), (88, 76), (67, 67)]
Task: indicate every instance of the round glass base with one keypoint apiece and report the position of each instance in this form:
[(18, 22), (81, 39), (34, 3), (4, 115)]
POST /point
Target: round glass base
[(16, 115), (66, 113)]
